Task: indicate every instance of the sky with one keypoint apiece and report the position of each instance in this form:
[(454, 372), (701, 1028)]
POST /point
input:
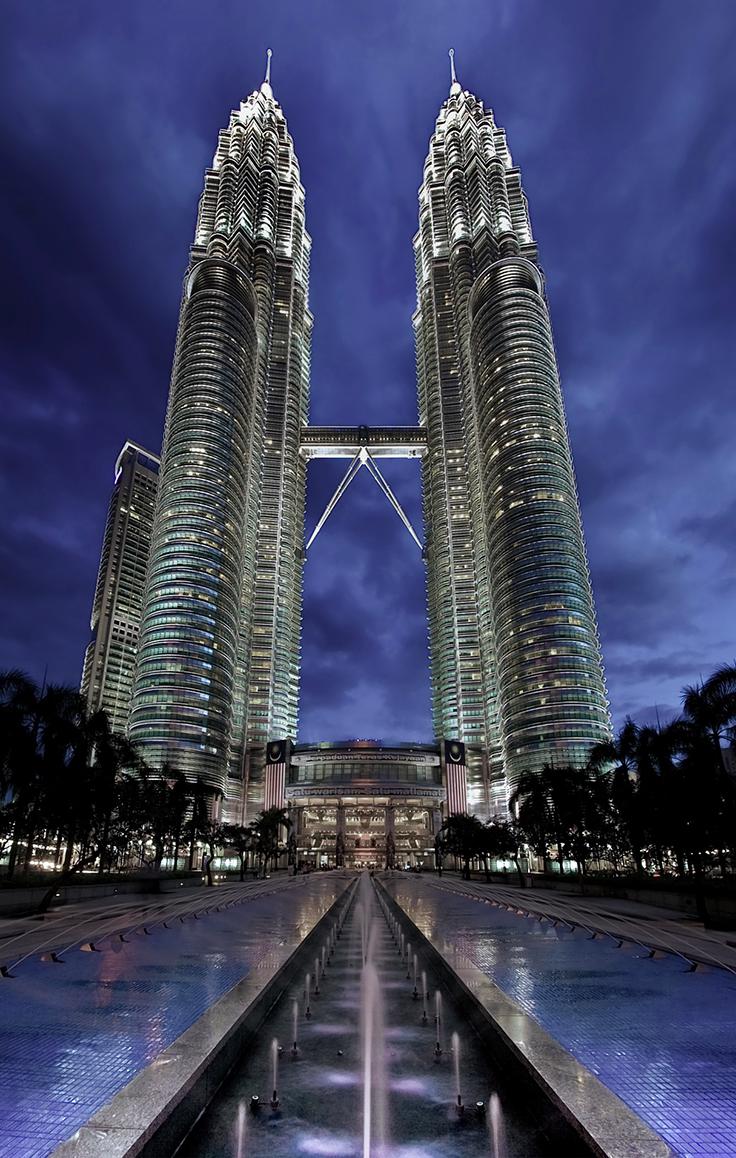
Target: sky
[(621, 118)]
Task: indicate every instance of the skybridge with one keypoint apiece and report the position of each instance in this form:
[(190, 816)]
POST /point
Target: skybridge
[(363, 445), (347, 441)]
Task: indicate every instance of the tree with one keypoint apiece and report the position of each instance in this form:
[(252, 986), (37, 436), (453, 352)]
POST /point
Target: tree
[(200, 798), (266, 833), (618, 758), (166, 796), (66, 798), (19, 699), (20, 718), (504, 840), (112, 754), (710, 708), (529, 801), (241, 840), (71, 795), (213, 836), (563, 806), (462, 835), (7, 827), (710, 713)]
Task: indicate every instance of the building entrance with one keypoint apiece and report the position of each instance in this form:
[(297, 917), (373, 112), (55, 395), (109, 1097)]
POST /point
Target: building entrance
[(362, 805)]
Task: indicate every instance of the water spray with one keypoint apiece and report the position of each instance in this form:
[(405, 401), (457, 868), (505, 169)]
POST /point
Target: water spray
[(275, 1074), (295, 1029), (496, 1128), (459, 1107)]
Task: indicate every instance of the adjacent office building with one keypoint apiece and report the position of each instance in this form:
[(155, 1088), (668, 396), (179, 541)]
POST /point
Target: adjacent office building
[(517, 677), (109, 660)]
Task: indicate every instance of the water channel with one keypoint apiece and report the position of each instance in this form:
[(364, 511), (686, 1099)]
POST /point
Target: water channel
[(366, 1056)]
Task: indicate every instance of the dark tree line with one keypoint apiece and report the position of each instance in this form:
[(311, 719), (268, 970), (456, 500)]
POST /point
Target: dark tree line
[(77, 796), (652, 800), (74, 795)]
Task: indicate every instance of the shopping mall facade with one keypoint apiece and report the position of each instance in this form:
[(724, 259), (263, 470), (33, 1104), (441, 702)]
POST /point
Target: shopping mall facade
[(361, 804)]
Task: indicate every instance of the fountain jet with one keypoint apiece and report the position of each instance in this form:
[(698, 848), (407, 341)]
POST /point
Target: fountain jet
[(438, 1025), (275, 1074), (456, 1064), (496, 1130), (373, 1048), (295, 1028)]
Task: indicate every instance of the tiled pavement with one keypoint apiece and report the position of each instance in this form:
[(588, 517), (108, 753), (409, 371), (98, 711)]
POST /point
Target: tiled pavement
[(661, 1038), (72, 1035)]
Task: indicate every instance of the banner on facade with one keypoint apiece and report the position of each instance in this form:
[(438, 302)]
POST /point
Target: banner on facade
[(278, 755), (278, 752), (456, 777), (455, 752)]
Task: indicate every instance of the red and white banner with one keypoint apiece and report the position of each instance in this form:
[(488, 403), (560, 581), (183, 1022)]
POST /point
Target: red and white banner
[(457, 788)]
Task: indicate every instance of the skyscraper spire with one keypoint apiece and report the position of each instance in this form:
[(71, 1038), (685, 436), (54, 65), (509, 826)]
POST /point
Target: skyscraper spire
[(515, 655), (218, 651), (266, 86), (454, 86)]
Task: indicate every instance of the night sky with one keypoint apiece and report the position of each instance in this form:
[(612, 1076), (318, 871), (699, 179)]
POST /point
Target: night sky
[(621, 116)]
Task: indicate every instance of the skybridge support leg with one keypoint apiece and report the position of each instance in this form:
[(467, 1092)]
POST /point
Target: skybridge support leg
[(363, 458)]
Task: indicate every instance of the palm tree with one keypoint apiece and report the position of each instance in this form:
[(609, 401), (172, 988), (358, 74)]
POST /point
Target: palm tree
[(200, 796), (558, 806), (530, 804), (569, 789), (62, 791), (19, 725), (112, 755), (504, 840), (74, 798), (619, 758), (166, 796), (620, 752), (710, 717), (266, 829), (711, 706), (19, 698)]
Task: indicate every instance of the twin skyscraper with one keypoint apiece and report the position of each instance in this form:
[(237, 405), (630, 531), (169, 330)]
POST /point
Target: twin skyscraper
[(516, 667)]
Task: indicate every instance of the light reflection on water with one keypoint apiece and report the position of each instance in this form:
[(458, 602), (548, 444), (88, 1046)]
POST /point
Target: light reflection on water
[(410, 1086), (327, 1146)]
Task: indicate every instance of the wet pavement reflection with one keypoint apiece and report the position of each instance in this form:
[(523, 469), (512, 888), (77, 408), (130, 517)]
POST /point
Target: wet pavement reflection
[(72, 1035), (660, 1037)]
